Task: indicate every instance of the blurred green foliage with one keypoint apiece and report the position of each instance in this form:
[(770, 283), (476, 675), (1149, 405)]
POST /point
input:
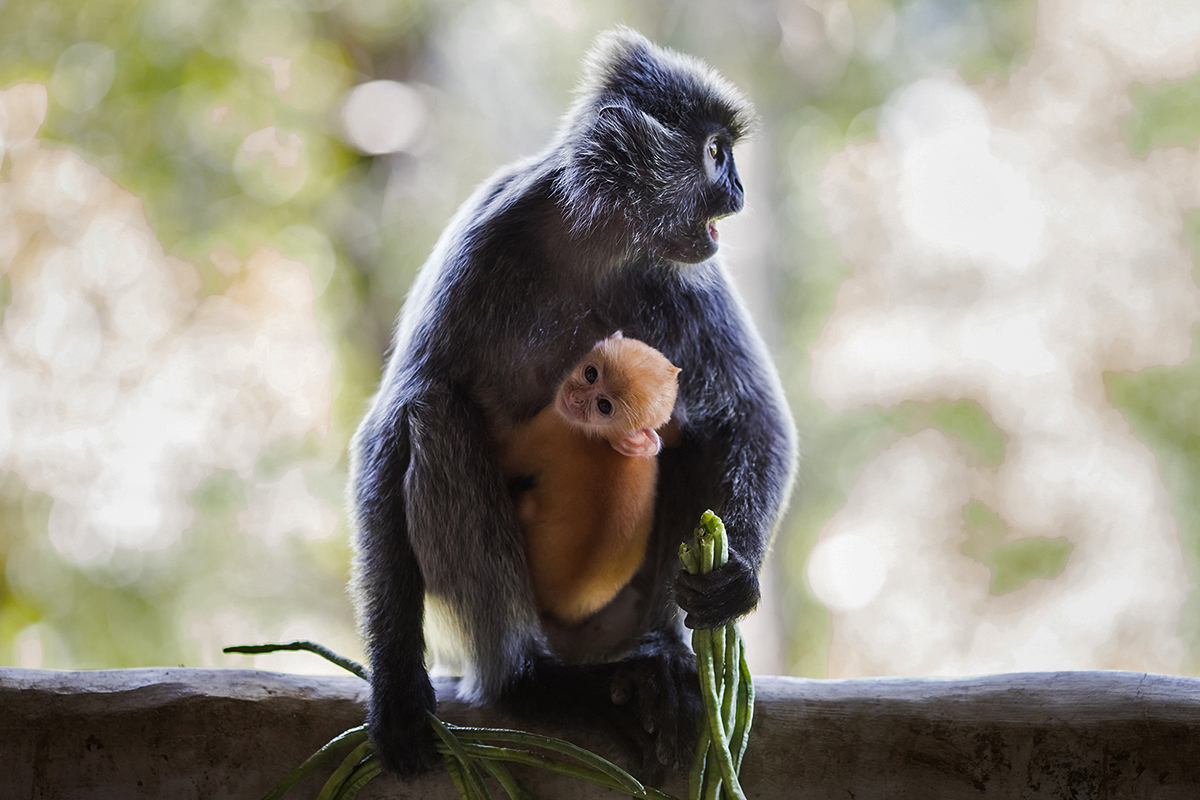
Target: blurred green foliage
[(1163, 408), (1165, 115), (1014, 563), (964, 421), (177, 62), (189, 82)]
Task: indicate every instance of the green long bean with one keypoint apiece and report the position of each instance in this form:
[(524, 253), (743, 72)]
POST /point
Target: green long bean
[(354, 735), (364, 773), (725, 683), (470, 771), (344, 770), (304, 644), (624, 780)]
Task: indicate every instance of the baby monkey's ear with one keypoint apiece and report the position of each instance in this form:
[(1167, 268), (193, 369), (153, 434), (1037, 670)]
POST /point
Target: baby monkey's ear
[(643, 443)]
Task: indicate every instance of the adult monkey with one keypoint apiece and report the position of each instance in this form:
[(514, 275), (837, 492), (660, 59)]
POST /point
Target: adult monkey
[(611, 228)]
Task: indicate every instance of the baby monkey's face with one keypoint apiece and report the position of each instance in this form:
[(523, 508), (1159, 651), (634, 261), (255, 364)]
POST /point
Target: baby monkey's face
[(622, 385), (588, 400)]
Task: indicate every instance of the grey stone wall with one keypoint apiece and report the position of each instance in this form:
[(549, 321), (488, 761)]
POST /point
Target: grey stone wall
[(203, 733)]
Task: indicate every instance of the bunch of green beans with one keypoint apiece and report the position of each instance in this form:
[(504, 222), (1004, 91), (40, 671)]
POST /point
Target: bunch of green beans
[(725, 682)]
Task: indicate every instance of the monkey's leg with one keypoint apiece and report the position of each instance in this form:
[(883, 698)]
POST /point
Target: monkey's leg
[(650, 701), (465, 533)]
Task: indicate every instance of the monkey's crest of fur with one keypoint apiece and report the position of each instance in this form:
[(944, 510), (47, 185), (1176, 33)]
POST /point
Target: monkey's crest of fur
[(636, 133)]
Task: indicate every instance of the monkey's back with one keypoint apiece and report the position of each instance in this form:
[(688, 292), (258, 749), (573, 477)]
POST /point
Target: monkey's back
[(586, 518)]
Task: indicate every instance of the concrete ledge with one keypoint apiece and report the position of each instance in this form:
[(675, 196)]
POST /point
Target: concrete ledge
[(192, 733)]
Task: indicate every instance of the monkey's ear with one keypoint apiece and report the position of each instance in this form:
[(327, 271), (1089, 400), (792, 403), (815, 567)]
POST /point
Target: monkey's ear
[(628, 140), (643, 443), (622, 162), (616, 335)]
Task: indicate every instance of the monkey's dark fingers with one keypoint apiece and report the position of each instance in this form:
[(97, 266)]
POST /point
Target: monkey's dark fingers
[(677, 738), (638, 745), (654, 683), (668, 746), (718, 598)]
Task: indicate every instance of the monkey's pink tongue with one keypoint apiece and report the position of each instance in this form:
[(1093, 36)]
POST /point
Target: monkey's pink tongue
[(712, 230)]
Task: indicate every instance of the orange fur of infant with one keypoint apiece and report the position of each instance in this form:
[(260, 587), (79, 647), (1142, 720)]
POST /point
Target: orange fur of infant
[(589, 513)]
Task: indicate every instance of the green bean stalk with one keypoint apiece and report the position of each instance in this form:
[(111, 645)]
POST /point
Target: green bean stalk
[(465, 751), (725, 682)]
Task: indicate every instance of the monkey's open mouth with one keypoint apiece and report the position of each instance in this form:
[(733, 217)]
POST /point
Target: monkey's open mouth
[(712, 230)]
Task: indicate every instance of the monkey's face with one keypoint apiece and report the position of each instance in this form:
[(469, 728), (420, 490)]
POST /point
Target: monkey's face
[(622, 385), (668, 181), (586, 400), (717, 191), (650, 152)]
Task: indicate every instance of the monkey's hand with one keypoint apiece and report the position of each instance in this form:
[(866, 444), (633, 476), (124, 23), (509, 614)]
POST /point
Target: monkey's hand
[(644, 442), (658, 682), (397, 719), (719, 597)]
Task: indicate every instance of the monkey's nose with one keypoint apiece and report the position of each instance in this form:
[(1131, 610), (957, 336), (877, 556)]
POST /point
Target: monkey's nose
[(737, 197)]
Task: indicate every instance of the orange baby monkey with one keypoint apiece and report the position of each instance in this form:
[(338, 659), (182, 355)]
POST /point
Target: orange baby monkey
[(591, 455)]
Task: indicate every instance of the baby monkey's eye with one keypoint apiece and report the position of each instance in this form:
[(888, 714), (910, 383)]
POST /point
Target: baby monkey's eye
[(713, 149), (604, 406), (590, 374)]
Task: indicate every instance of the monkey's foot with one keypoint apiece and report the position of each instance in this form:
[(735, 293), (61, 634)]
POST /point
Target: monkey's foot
[(650, 702), (658, 684)]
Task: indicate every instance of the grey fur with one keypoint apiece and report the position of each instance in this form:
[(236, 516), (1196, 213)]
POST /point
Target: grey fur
[(607, 229)]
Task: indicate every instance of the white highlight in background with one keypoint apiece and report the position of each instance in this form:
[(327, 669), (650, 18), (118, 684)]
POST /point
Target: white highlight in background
[(846, 572), (956, 194), (383, 117)]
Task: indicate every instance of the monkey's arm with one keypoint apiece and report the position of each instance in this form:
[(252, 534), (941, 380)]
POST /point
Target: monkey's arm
[(392, 591), (749, 456), (757, 464), (435, 516)]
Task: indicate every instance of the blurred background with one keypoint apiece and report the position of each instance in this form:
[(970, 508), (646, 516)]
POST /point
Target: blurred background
[(970, 241)]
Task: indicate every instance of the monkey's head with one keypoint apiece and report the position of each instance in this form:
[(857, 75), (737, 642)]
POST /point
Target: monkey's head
[(649, 148), (622, 385)]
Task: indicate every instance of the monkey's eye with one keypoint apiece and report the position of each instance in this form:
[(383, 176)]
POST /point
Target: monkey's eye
[(604, 406), (590, 374), (714, 161)]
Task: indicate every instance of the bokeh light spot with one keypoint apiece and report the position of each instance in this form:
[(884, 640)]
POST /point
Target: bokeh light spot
[(271, 165), (846, 571), (83, 75), (383, 117)]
